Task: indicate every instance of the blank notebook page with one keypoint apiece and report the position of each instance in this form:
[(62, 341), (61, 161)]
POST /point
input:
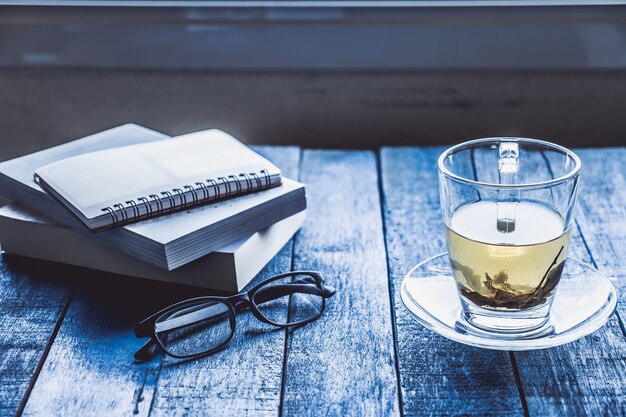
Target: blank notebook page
[(95, 180)]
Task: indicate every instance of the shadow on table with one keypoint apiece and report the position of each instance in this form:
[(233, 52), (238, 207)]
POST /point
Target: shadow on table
[(124, 299), (106, 307)]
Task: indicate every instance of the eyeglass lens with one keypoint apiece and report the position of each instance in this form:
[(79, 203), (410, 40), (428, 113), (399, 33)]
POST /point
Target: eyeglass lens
[(201, 328), (290, 300)]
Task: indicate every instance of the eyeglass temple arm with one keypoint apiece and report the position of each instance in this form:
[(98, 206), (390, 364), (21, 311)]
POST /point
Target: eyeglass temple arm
[(277, 291), (146, 351), (146, 326)]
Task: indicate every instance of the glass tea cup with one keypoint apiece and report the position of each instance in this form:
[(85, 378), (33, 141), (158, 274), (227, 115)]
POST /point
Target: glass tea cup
[(508, 209)]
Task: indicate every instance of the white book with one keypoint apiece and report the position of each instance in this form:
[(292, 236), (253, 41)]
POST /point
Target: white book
[(121, 185), (168, 241), (230, 268)]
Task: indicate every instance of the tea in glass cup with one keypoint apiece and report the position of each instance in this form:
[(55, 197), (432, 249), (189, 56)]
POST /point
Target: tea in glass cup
[(508, 208)]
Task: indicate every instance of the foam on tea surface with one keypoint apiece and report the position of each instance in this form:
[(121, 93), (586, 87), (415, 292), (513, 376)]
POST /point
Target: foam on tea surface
[(513, 270)]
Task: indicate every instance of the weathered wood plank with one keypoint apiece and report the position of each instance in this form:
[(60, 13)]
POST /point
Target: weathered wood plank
[(588, 377), (344, 363), (585, 377), (602, 213), (90, 369), (438, 377), (30, 307)]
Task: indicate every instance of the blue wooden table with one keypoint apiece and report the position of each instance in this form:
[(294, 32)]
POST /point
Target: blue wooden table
[(66, 338)]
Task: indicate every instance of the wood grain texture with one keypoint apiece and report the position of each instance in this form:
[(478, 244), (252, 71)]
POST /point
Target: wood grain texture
[(438, 377), (90, 369), (344, 363), (602, 213), (30, 307), (586, 377)]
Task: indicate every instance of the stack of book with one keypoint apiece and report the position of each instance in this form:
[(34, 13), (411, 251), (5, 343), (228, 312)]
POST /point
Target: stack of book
[(200, 209)]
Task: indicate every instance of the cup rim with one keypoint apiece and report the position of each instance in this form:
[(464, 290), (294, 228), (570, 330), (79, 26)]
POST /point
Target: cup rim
[(555, 181)]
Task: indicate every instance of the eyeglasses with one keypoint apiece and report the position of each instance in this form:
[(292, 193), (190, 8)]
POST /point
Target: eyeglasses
[(203, 325)]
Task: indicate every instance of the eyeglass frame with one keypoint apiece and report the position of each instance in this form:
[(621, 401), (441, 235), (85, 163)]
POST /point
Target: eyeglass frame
[(235, 303)]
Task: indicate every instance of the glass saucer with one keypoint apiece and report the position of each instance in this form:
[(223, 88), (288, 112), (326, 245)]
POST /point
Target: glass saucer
[(584, 301)]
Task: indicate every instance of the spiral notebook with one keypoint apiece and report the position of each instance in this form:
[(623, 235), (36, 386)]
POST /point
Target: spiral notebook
[(118, 186)]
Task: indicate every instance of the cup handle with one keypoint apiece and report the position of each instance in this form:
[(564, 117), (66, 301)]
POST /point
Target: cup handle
[(508, 168)]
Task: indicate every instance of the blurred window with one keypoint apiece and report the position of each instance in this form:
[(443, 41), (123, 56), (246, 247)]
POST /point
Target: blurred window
[(314, 34)]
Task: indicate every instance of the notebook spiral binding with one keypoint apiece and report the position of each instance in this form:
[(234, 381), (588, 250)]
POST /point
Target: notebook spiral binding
[(186, 196)]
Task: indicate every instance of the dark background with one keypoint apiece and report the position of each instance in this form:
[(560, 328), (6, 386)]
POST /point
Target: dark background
[(349, 77)]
